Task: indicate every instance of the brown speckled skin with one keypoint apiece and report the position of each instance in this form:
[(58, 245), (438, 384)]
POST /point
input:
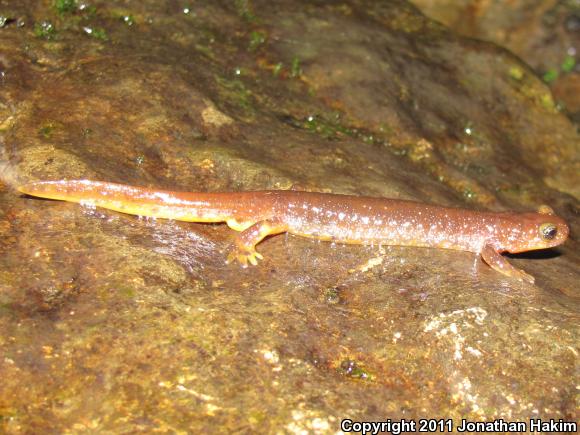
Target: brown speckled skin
[(340, 218)]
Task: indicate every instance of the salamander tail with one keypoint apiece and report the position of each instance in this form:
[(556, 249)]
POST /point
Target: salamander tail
[(141, 201), (66, 190)]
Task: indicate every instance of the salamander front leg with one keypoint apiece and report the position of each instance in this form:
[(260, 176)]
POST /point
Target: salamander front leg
[(245, 249), (497, 262)]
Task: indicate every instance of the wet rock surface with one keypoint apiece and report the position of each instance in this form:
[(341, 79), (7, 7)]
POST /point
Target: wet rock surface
[(113, 323), (542, 33), (546, 35)]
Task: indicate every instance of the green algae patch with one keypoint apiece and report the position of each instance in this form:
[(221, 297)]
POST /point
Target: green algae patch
[(235, 92), (96, 33), (245, 10), (328, 128), (128, 19), (277, 69), (65, 6), (126, 16), (332, 126), (538, 92), (568, 64), (49, 129), (70, 17), (257, 39), (45, 30), (548, 103), (516, 73), (352, 369), (550, 76), (295, 68)]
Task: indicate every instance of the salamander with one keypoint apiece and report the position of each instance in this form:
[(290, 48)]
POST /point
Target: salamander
[(324, 216)]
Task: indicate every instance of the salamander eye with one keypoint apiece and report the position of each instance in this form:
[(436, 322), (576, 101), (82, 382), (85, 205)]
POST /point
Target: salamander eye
[(548, 231)]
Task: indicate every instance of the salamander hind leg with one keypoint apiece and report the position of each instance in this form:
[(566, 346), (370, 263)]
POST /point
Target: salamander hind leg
[(497, 262), (245, 244)]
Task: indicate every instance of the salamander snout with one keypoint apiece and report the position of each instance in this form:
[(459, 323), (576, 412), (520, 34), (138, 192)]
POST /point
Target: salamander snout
[(553, 230)]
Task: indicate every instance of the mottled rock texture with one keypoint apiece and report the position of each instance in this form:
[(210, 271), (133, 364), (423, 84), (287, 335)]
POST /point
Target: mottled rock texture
[(117, 324)]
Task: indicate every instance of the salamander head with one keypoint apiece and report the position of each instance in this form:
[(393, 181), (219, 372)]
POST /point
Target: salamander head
[(539, 230)]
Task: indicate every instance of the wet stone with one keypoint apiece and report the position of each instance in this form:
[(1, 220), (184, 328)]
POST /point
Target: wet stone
[(113, 323)]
